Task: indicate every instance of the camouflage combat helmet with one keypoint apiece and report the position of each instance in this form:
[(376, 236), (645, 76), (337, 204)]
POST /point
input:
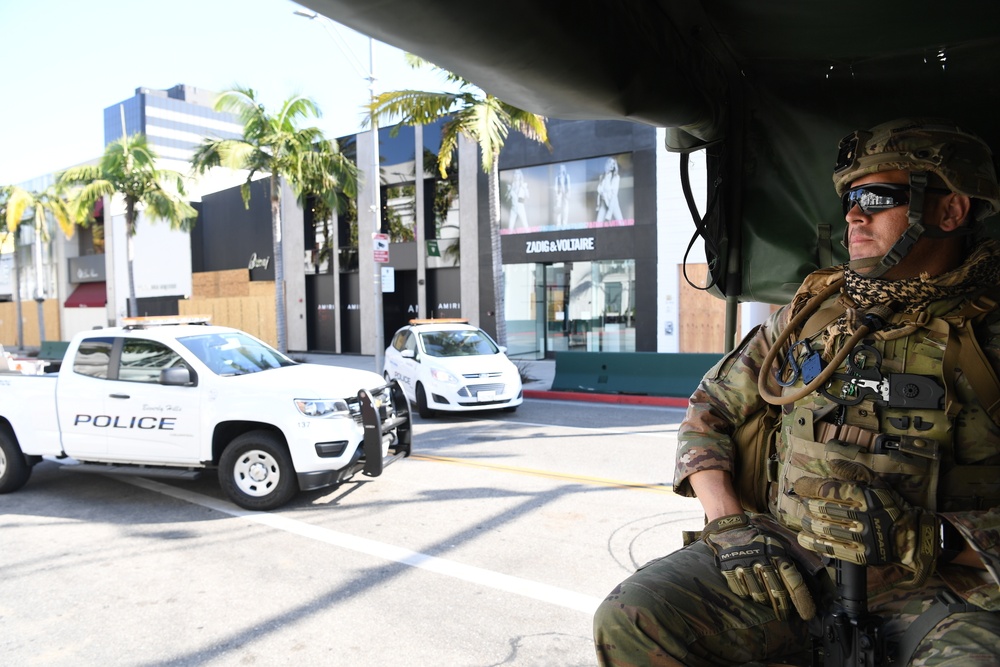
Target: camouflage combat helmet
[(961, 159), (923, 147)]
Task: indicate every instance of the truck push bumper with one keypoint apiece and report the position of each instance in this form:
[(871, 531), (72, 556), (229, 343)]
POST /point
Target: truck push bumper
[(390, 422), (386, 424)]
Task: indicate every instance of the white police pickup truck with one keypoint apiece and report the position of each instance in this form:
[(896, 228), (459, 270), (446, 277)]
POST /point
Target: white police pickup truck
[(167, 397)]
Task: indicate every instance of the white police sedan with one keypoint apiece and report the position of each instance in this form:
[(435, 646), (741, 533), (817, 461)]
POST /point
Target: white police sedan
[(450, 365)]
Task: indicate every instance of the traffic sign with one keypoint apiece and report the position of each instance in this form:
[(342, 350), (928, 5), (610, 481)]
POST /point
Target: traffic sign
[(380, 242)]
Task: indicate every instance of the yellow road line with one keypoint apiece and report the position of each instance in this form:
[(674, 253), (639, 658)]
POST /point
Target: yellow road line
[(599, 481)]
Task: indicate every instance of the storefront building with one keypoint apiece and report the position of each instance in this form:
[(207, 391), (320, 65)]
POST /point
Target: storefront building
[(578, 234), (595, 243), (593, 235)]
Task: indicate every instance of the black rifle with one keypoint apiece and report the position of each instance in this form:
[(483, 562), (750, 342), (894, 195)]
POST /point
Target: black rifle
[(852, 637)]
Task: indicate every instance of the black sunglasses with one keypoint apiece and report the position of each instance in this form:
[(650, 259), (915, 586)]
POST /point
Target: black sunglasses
[(875, 197)]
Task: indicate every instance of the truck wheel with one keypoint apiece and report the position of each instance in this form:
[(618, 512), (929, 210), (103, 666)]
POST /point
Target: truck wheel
[(422, 409), (14, 468), (256, 471)]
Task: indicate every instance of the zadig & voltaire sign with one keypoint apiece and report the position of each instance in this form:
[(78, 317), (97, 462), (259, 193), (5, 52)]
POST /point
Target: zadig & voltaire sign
[(559, 245)]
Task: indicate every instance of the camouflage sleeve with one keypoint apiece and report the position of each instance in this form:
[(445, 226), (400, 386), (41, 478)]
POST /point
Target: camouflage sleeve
[(981, 529), (724, 399)]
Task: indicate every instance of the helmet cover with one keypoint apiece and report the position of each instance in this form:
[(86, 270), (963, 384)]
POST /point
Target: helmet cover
[(959, 158)]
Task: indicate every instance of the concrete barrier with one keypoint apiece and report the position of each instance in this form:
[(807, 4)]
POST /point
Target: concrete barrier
[(633, 373)]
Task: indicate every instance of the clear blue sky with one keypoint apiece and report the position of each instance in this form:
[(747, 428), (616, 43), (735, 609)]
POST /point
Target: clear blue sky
[(64, 61)]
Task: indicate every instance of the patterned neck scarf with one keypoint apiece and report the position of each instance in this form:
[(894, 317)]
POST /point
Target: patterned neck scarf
[(913, 295)]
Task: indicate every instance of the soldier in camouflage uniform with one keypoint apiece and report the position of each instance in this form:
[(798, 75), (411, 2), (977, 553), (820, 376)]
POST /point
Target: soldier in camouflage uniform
[(887, 452)]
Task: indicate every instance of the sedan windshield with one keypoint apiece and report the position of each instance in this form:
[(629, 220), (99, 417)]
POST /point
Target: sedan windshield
[(458, 343), (234, 353)]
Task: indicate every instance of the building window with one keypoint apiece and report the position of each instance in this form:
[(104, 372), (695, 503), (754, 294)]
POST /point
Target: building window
[(581, 194), (567, 306)]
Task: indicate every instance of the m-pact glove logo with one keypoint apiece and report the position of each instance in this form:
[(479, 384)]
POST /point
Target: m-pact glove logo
[(880, 543), (730, 521), (741, 553), (928, 540)]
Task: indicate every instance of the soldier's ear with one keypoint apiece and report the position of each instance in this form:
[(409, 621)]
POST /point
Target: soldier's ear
[(954, 211)]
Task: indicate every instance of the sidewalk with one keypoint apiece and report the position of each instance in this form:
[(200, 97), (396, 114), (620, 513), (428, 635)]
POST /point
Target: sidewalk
[(540, 374)]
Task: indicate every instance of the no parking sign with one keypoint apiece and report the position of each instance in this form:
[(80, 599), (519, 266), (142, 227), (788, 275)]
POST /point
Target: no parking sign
[(380, 242)]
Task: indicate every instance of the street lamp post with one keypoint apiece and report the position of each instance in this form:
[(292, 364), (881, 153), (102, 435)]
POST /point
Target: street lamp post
[(373, 173), (376, 190)]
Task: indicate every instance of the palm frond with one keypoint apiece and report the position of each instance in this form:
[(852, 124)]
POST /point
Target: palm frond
[(411, 107), (62, 212), (416, 62), (240, 101), (83, 202), (17, 203), (77, 175), (236, 154), (295, 108), (161, 205)]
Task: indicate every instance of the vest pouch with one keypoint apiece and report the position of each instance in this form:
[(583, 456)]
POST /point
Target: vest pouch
[(754, 443)]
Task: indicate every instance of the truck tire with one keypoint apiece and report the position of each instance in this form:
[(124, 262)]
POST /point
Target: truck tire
[(14, 468), (256, 471), (423, 409)]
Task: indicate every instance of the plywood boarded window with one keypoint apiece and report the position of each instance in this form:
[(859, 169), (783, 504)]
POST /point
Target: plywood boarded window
[(701, 316)]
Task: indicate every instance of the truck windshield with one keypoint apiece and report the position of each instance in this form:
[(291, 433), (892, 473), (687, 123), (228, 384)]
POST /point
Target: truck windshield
[(234, 353)]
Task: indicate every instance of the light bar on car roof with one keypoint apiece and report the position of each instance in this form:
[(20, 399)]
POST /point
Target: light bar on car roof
[(441, 320), (163, 321)]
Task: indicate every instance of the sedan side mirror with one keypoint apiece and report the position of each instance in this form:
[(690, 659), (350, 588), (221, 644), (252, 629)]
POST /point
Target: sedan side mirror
[(408, 354)]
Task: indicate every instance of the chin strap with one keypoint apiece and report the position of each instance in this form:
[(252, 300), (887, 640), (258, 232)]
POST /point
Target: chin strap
[(903, 245), (905, 242)]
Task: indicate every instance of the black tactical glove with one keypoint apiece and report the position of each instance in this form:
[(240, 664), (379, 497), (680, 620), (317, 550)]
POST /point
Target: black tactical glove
[(756, 565)]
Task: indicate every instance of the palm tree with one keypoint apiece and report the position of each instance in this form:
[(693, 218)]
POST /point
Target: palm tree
[(480, 117), (327, 187), (274, 144), (128, 168), (42, 205), (15, 278)]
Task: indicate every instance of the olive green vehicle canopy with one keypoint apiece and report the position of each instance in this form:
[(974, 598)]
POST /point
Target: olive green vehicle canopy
[(766, 87)]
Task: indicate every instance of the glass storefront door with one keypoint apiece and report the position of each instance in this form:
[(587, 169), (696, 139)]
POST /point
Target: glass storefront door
[(570, 306), (557, 322)]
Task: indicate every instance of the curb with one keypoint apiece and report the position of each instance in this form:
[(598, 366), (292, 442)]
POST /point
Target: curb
[(620, 399)]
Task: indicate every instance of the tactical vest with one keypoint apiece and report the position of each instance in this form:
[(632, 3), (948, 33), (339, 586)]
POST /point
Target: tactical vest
[(923, 430)]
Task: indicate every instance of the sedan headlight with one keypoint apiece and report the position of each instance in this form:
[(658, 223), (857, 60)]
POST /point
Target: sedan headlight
[(443, 376), (323, 407)]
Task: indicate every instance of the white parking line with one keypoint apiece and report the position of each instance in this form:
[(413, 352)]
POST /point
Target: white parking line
[(475, 575)]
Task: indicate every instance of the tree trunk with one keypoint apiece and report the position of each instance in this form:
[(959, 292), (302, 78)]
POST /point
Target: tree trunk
[(39, 288), (500, 311), (279, 264), (133, 309), (17, 298)]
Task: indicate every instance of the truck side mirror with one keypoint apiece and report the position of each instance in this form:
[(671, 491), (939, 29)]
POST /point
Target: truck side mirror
[(177, 375)]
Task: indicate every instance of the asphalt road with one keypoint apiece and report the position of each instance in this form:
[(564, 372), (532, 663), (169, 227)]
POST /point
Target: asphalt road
[(491, 545)]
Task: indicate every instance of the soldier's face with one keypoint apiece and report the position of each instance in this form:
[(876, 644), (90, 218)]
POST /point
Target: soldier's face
[(872, 234)]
